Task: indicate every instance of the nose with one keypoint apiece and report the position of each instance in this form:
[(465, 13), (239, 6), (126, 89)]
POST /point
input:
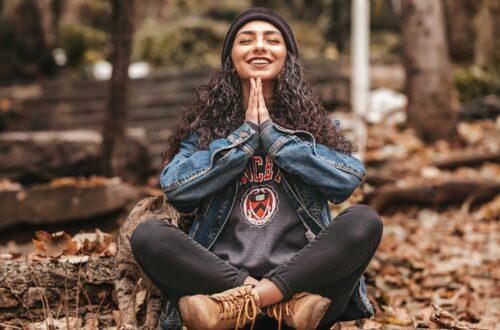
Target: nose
[(260, 46)]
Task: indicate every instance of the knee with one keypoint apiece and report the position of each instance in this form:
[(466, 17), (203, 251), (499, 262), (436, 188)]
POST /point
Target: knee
[(142, 237), (367, 224)]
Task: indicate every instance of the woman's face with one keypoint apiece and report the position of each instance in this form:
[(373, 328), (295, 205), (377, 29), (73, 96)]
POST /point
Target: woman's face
[(258, 50)]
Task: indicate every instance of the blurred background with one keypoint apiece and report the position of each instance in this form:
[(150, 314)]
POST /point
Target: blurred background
[(90, 90)]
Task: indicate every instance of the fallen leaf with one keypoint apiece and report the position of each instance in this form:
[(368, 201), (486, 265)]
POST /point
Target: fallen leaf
[(53, 245), (446, 320)]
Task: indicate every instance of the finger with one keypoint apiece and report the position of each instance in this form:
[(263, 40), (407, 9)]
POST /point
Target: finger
[(262, 102), (263, 112), (256, 96), (251, 97)]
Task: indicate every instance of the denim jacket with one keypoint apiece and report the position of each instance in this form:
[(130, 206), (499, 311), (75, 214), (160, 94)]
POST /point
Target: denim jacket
[(205, 183)]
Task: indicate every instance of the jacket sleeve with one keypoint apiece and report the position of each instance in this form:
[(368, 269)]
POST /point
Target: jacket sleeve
[(193, 174), (336, 174)]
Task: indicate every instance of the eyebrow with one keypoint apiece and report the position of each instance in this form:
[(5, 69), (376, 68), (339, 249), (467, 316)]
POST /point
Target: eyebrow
[(265, 32)]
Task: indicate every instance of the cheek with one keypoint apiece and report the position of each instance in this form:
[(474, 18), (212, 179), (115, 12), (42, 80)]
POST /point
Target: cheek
[(282, 62), (281, 55), (238, 59)]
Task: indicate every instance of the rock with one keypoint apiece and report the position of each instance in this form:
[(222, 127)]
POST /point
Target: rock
[(386, 106), (34, 157), (483, 107)]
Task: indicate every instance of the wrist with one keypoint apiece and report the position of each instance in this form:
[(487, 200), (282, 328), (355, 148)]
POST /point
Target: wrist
[(253, 125), (266, 123)]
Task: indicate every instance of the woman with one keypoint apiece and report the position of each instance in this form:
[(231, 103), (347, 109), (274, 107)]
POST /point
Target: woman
[(255, 160)]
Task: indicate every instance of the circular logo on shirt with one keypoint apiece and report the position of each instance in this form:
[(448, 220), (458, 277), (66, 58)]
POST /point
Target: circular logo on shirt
[(258, 205)]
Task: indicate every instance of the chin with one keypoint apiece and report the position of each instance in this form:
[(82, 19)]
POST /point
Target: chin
[(263, 75)]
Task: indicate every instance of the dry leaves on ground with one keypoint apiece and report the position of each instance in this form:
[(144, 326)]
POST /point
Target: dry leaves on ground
[(62, 245)]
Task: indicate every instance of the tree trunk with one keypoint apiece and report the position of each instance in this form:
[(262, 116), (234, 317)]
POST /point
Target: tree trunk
[(460, 32), (484, 44), (56, 9), (30, 43), (339, 31), (428, 81), (113, 147)]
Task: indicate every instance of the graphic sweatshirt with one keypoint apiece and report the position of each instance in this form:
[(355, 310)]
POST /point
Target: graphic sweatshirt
[(263, 229)]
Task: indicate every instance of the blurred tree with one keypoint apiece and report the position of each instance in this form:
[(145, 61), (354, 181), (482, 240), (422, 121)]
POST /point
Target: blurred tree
[(113, 144), (459, 30), (340, 24), (428, 80), (56, 8), (31, 52)]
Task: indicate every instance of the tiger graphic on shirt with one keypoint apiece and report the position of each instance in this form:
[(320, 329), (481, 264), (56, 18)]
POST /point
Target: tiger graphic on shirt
[(259, 200)]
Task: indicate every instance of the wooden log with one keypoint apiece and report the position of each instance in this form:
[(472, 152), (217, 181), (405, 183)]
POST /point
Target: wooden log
[(474, 159), (31, 157), (376, 178), (45, 204), (24, 282), (435, 194)]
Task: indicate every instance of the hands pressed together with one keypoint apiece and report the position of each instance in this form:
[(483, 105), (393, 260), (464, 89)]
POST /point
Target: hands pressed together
[(256, 111)]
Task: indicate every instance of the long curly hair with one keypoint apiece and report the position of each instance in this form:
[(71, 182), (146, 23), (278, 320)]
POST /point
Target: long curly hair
[(218, 109)]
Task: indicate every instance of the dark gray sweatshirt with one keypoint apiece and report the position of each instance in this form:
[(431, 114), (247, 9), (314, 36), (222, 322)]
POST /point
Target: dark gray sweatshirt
[(263, 229)]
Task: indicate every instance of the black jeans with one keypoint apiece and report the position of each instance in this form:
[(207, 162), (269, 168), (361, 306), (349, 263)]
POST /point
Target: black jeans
[(330, 265)]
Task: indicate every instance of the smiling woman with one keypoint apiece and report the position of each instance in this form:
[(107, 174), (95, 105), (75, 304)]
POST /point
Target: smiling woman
[(258, 51), (255, 161)]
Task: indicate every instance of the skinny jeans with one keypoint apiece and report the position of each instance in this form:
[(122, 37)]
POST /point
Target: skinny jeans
[(330, 265)]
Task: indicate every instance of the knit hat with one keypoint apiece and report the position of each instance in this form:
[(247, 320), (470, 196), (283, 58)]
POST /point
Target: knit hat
[(257, 14)]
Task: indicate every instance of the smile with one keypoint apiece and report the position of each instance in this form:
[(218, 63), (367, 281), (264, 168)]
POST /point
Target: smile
[(259, 62)]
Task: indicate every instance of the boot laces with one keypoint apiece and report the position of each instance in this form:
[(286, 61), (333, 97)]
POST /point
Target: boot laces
[(240, 305), (276, 311)]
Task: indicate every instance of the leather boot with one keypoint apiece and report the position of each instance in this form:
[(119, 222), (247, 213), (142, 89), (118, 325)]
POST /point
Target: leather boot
[(304, 311), (233, 308)]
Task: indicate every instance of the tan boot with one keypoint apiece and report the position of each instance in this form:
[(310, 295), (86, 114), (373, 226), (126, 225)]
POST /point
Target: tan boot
[(233, 308), (303, 311)]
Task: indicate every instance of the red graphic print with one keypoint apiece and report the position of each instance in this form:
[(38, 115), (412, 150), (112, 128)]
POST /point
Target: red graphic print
[(260, 201), (258, 171), (258, 205)]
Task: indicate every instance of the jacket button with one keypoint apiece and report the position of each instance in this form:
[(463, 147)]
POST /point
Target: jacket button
[(243, 134)]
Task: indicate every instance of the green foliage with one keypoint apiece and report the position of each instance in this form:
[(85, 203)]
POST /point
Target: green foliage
[(96, 13), (87, 41), (383, 17), (473, 82), (225, 10), (385, 46), (83, 44), (191, 42)]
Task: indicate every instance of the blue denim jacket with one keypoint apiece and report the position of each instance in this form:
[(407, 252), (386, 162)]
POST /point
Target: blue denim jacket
[(205, 182)]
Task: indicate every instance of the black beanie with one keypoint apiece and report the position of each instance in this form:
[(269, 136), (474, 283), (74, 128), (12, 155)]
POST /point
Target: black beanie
[(257, 14)]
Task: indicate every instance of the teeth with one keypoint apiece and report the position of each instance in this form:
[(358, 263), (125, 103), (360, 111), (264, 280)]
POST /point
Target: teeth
[(259, 61)]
